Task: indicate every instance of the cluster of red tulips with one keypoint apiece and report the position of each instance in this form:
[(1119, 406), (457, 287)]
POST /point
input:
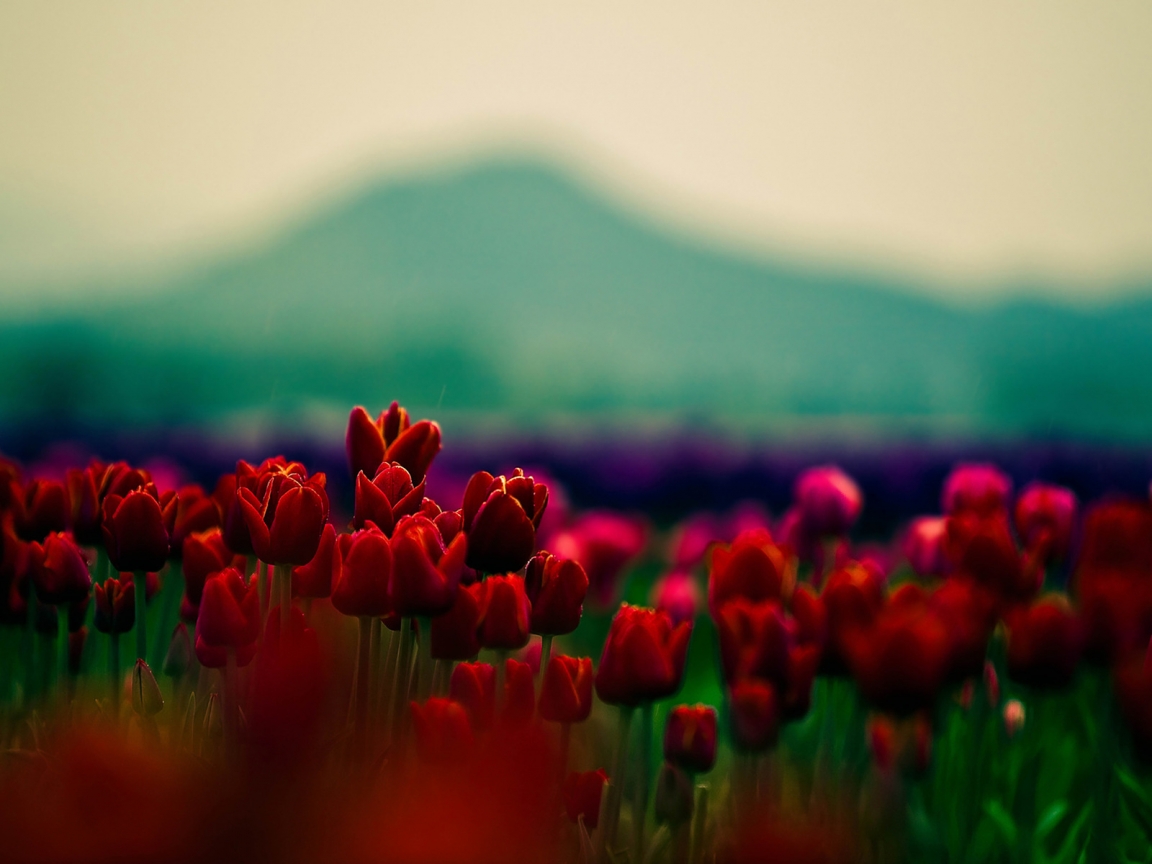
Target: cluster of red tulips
[(844, 673)]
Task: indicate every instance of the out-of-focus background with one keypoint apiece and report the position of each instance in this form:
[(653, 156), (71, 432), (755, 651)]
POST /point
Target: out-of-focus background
[(862, 225)]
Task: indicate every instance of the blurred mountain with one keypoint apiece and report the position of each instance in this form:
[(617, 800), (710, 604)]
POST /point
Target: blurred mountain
[(509, 288)]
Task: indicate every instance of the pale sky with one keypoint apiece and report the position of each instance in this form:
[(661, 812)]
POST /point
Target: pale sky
[(970, 143)]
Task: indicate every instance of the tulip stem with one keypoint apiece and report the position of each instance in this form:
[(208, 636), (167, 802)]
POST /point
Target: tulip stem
[(387, 682), (699, 823), (262, 590), (363, 676), (101, 565), (501, 674), (643, 765), (62, 647), (29, 652), (374, 628), (424, 658), (400, 687), (545, 654), (251, 565), (114, 672), (141, 580), (607, 838)]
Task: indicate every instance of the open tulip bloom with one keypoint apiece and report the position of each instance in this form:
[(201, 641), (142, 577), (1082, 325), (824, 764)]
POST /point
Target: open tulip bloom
[(454, 681)]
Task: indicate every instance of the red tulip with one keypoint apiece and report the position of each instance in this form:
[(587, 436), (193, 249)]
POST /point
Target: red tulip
[(924, 545), (604, 543), (195, 511), (136, 528), (582, 792), (674, 796), (115, 604), (501, 515), (981, 546), (828, 499), (690, 737), (977, 487), (391, 438), (365, 573), (1117, 538), (84, 503), (968, 611), (287, 520), (754, 641), (504, 613), (473, 686), (753, 568), (677, 594), (809, 622), (1133, 684), (754, 714), (58, 570), (454, 633), (232, 523), (386, 497), (315, 578), (1045, 516), (1044, 643), (443, 735), (229, 620), (566, 691), (204, 553), (643, 657), (852, 597), (426, 577), (39, 509), (519, 695), (556, 589)]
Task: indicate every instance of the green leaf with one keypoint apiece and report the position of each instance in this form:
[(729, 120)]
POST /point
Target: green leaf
[(1135, 800), (983, 841), (1002, 820), (1050, 819), (1067, 851)]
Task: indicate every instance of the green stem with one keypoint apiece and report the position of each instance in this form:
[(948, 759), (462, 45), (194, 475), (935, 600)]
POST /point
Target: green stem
[(141, 580), (545, 654), (61, 648), (363, 676), (643, 765), (29, 652), (400, 686), (699, 823), (102, 564), (615, 791), (383, 694), (424, 660)]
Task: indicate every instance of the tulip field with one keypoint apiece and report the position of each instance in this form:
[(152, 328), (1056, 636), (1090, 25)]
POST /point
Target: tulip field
[(245, 672)]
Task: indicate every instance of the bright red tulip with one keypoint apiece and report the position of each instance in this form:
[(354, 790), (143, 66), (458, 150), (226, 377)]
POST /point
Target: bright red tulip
[(1044, 643), (38, 509), (204, 553), (977, 487), (924, 545), (690, 737), (643, 657), (556, 588), (753, 568), (504, 613), (365, 573), (387, 497), (136, 529), (754, 714), (392, 437), (454, 633), (426, 574), (501, 515), (677, 594), (566, 691), (229, 620), (315, 579), (286, 522), (829, 501)]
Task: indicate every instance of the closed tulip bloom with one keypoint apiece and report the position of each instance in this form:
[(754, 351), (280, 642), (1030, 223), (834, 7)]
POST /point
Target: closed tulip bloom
[(828, 499), (556, 589), (146, 698), (754, 641), (204, 553), (84, 503), (454, 633), (286, 523), (426, 575), (605, 543), (115, 604), (690, 737), (59, 571), (978, 487), (232, 523), (229, 620), (1045, 516), (809, 622), (982, 547), (366, 569), (195, 512), (504, 613), (852, 597), (315, 579), (1117, 539), (473, 686), (753, 568), (924, 544), (387, 497), (754, 714), (38, 509), (136, 529), (566, 691), (582, 791), (1044, 643), (678, 595), (519, 694), (674, 796), (392, 437), (643, 658), (501, 515), (443, 734)]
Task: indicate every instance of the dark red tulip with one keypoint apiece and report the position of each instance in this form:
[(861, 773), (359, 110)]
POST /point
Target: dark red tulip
[(677, 594), (204, 553), (829, 501), (1117, 539), (426, 575), (643, 657), (136, 529), (232, 523), (753, 568), (84, 503), (504, 613), (501, 515), (473, 686), (809, 624), (674, 796), (443, 734), (195, 512), (582, 791), (229, 620), (39, 509), (556, 588), (968, 611), (392, 437), (450, 523), (852, 597), (605, 543), (120, 478), (977, 487), (288, 695), (286, 522), (366, 571), (1045, 517), (58, 570), (924, 545), (387, 497), (754, 641), (1133, 684), (115, 604), (315, 579), (754, 714), (981, 546), (690, 737), (566, 691), (454, 633), (1044, 643), (519, 694), (796, 698)]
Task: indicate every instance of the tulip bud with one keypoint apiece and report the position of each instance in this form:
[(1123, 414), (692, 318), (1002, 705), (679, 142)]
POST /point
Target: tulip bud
[(556, 589), (677, 595), (504, 613), (386, 497), (1013, 717), (991, 683), (115, 605), (755, 715), (501, 515), (38, 510), (146, 698), (924, 544), (443, 734), (690, 738), (978, 487), (582, 792), (179, 657), (643, 658), (829, 500), (365, 572), (566, 691), (473, 687), (674, 796), (136, 529)]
